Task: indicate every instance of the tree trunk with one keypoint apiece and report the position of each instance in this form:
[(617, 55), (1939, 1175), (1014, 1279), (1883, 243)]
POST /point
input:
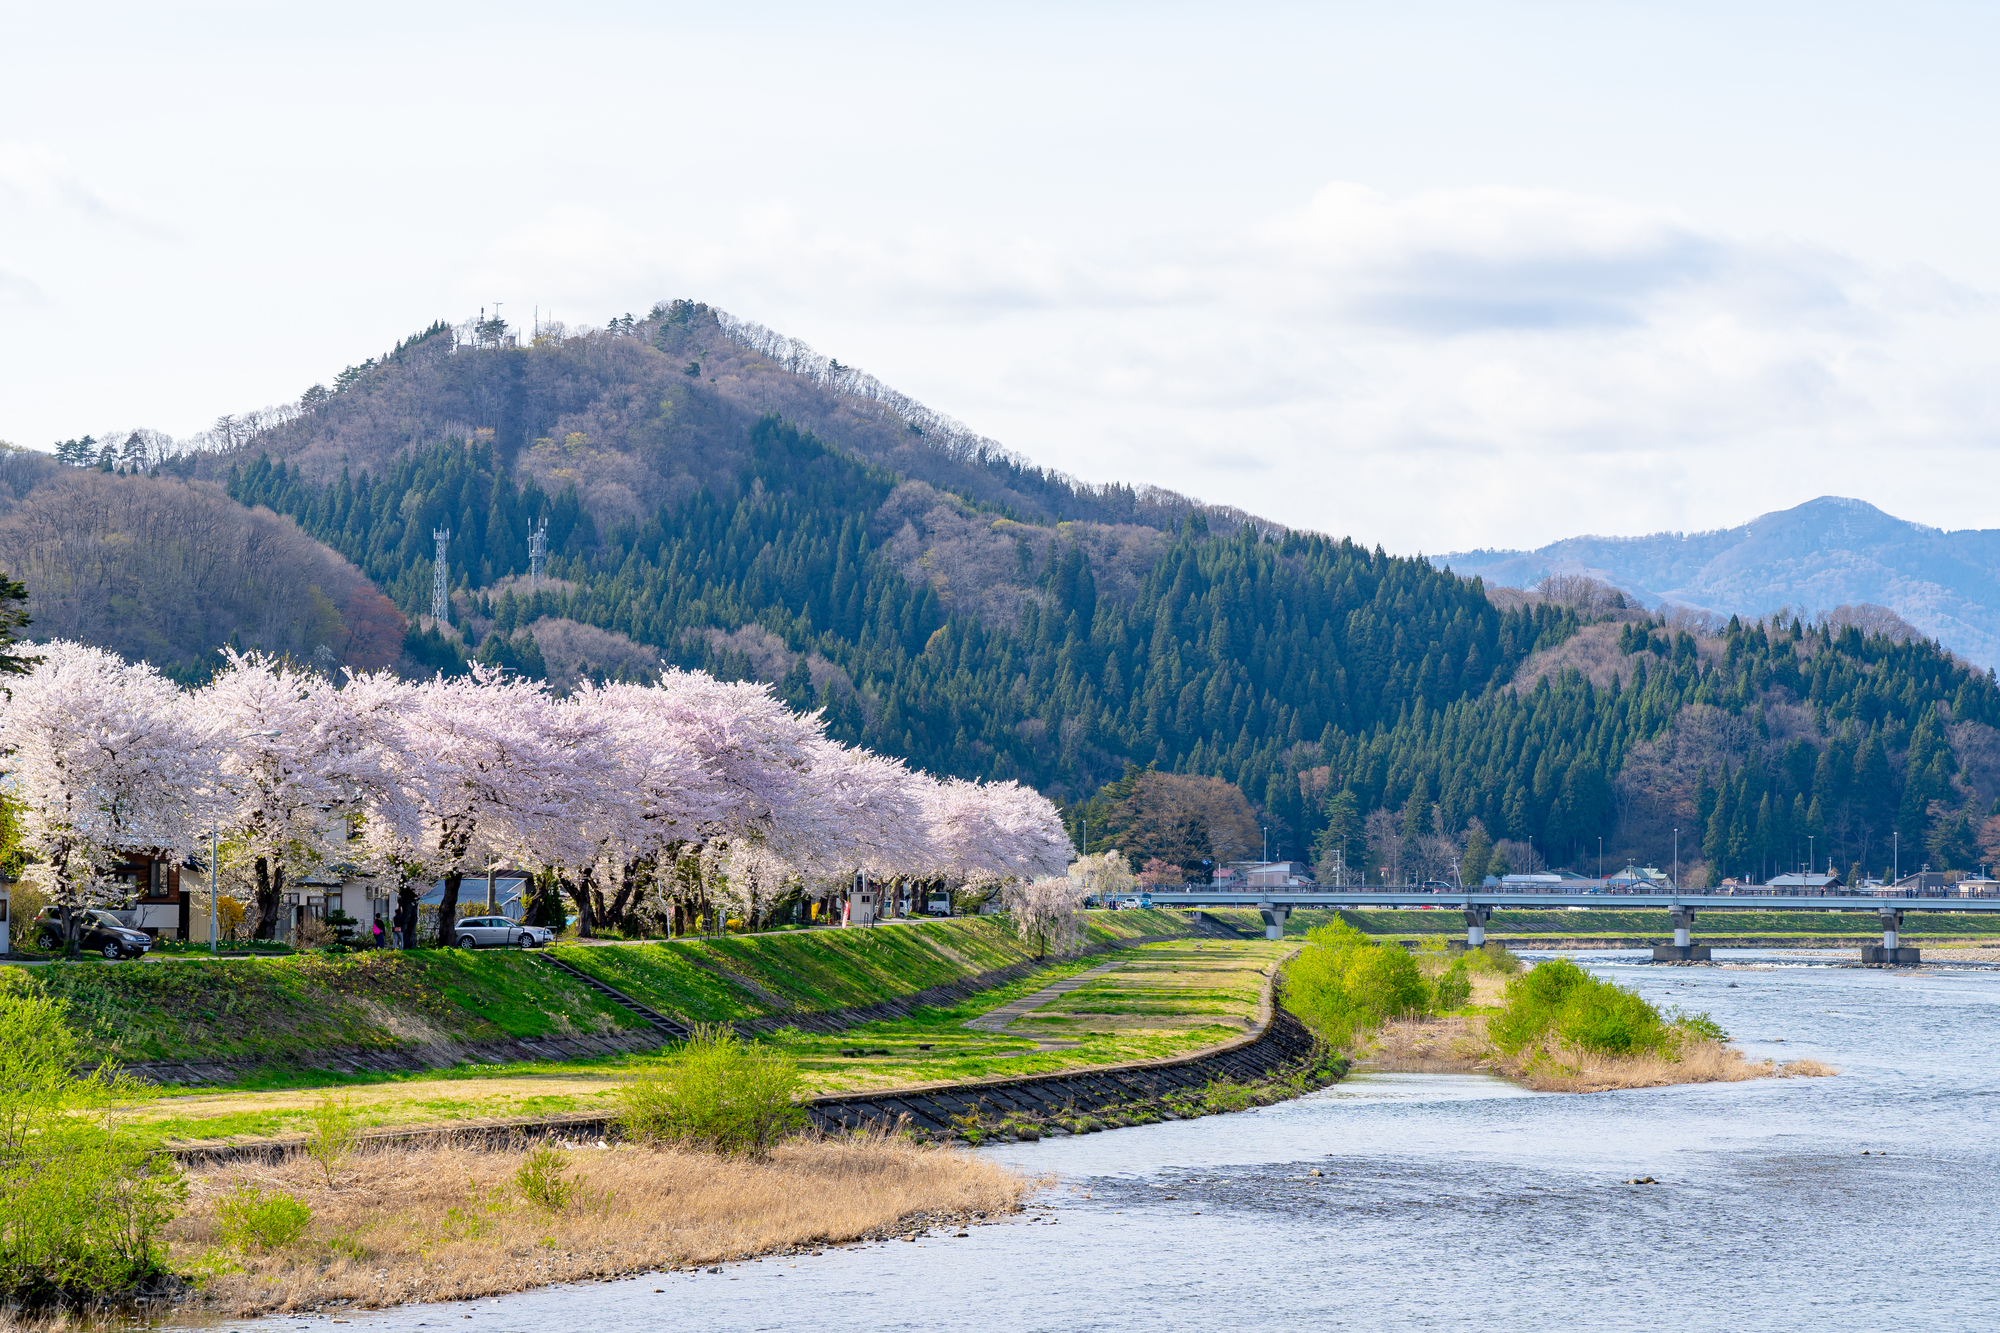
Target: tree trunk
[(627, 888), (448, 909), (408, 898), (579, 893), (270, 895)]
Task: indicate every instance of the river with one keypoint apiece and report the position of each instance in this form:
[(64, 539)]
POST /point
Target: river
[(1461, 1202)]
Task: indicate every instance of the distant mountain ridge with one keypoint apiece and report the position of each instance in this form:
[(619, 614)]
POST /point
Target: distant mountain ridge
[(1821, 554)]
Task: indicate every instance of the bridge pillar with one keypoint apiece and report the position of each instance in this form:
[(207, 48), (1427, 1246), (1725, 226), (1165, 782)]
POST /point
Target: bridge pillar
[(1274, 916), (1683, 949), (1475, 927), (1890, 952)]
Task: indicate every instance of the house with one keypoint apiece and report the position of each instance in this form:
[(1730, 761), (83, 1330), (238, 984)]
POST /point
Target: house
[(150, 881), (1798, 881), (1637, 879), (1275, 875), (6, 944), (1926, 883), (511, 886), (1546, 882)]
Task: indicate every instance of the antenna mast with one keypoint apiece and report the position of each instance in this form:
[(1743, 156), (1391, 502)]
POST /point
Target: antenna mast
[(441, 579), (538, 550)]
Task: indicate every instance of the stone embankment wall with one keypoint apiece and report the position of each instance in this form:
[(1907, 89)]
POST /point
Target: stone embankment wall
[(1031, 1105)]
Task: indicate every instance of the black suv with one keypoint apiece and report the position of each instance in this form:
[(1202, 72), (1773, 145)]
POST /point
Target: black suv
[(97, 931)]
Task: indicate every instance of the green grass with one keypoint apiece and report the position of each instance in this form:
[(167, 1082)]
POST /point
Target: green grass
[(757, 976), (286, 1009), (929, 1045)]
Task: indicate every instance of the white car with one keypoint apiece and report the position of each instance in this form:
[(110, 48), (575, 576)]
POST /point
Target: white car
[(474, 931)]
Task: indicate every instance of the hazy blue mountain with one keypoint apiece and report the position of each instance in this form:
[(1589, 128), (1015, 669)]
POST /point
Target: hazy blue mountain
[(1822, 554)]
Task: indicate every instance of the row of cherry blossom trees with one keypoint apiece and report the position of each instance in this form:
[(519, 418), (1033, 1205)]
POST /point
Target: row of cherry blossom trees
[(693, 792)]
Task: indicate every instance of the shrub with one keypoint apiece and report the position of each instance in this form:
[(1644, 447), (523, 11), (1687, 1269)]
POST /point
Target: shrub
[(543, 1181), (1493, 957), (1344, 983), (716, 1093), (1453, 989), (82, 1213), (335, 1128), (1559, 1002), (250, 1219)]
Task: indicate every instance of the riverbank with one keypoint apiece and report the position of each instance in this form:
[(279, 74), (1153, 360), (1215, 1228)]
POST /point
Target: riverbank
[(437, 1223), (1146, 1002), (1458, 1043)]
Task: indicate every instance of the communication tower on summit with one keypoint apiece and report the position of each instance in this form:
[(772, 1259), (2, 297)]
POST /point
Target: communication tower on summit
[(441, 579), (538, 550)]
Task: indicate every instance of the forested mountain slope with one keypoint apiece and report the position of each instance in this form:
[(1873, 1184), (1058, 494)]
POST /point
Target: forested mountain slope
[(1823, 553), (923, 594), (168, 570), (653, 411), (1235, 654)]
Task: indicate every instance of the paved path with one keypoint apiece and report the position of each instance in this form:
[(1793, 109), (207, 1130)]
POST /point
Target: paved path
[(999, 1020)]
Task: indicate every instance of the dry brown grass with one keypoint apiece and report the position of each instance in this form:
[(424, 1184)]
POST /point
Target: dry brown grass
[(1568, 1069), (1447, 1045), (446, 1223)]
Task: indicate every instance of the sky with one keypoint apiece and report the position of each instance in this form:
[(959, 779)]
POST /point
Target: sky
[(1434, 275)]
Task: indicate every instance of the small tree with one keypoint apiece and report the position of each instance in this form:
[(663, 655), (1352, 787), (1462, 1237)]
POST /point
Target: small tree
[(1047, 912)]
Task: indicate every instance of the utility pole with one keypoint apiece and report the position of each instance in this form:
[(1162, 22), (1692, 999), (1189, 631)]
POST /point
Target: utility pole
[(1677, 860), (441, 579)]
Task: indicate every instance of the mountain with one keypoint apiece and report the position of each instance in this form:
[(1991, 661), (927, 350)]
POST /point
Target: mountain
[(1821, 554), (713, 495)]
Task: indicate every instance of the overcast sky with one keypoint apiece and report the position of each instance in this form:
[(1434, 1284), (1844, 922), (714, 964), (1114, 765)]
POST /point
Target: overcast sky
[(1433, 275)]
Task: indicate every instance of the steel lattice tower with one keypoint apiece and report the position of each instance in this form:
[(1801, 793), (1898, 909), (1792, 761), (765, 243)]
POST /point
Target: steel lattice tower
[(441, 579)]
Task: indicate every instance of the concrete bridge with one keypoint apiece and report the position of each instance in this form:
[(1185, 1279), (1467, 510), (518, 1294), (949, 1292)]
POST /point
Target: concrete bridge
[(1478, 905)]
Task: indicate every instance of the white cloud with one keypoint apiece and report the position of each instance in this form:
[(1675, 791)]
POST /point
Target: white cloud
[(36, 176), (1440, 370), (18, 289)]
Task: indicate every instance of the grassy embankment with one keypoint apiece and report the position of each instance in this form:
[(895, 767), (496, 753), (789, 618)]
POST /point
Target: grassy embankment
[(1551, 927), (1159, 1000), (1162, 1000)]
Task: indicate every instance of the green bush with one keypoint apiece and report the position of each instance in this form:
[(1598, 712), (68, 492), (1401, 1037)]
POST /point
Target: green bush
[(250, 1219), (1344, 983), (1558, 1001), (715, 1093), (1453, 989), (1493, 958), (543, 1180), (82, 1213)]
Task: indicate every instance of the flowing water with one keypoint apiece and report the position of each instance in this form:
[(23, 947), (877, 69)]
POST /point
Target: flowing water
[(1462, 1202)]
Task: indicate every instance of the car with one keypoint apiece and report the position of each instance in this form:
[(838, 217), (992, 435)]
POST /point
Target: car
[(97, 931), (474, 931)]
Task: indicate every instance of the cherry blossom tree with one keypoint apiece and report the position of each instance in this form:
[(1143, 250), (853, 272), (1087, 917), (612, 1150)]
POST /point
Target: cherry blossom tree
[(297, 757), (994, 832), (1046, 912), (493, 767), (105, 763)]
